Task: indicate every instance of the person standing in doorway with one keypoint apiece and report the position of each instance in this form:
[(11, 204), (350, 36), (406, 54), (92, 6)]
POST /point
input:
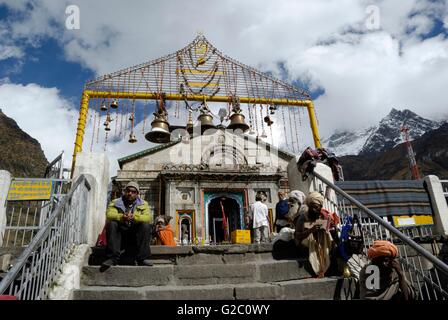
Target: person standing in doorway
[(281, 211), (259, 213)]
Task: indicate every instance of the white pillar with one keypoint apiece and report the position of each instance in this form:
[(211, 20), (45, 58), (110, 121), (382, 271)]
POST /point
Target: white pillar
[(296, 182), (5, 181), (439, 205), (96, 165)]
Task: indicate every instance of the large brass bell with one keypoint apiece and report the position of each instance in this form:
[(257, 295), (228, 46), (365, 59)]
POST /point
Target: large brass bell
[(237, 122), (206, 122), (132, 138), (160, 132), (114, 104), (268, 121)]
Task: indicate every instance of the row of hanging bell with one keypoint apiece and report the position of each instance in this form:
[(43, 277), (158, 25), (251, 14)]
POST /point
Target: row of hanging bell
[(113, 105), (107, 122), (160, 128)]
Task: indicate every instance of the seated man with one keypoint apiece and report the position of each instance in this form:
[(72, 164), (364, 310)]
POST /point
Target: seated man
[(392, 284), (128, 218), (164, 233), (316, 230)]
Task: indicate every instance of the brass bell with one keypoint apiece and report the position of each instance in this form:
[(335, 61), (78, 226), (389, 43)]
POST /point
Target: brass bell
[(107, 127), (268, 120), (263, 134), (206, 122), (114, 104), (132, 138), (103, 107), (131, 117), (160, 131), (189, 126), (237, 122), (272, 109)]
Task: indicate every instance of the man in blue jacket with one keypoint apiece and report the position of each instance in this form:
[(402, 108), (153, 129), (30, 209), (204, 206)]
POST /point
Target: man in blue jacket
[(281, 210)]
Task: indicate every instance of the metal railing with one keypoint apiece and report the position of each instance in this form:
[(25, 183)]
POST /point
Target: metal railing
[(25, 218), (427, 274), (32, 277)]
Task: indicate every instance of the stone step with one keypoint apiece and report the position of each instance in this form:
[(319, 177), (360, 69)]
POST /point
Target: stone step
[(195, 274), (188, 255), (305, 289)]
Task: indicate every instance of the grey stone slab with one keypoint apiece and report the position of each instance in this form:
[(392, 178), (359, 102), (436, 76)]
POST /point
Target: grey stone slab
[(214, 271), (218, 292), (309, 289), (256, 291), (280, 271), (108, 293), (168, 250), (200, 258), (128, 276)]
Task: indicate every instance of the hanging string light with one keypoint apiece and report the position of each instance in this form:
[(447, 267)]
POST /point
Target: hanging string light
[(284, 126), (132, 138), (263, 133)]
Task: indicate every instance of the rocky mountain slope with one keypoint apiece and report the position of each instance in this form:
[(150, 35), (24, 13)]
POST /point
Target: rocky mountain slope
[(431, 152), (384, 136), (20, 154)]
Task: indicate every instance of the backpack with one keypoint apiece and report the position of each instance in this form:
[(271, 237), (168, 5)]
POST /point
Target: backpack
[(309, 158)]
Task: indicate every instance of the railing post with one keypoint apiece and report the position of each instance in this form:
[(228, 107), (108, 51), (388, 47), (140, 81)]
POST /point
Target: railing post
[(438, 202), (5, 181)]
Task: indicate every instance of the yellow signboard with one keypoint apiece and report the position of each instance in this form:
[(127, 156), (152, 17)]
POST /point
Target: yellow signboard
[(410, 221), (30, 190)]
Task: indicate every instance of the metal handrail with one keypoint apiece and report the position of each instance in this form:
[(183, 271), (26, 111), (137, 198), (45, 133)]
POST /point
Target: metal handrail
[(439, 263), (11, 275)]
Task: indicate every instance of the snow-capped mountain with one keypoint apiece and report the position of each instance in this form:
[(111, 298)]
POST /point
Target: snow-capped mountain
[(381, 137)]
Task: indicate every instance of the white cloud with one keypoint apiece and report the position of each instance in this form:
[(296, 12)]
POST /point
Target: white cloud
[(7, 52), (43, 114), (324, 43)]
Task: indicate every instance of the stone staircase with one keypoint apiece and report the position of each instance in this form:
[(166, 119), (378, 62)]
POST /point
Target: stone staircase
[(239, 272)]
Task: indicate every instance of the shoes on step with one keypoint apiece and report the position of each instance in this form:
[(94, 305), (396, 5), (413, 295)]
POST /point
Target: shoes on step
[(145, 262), (107, 264)]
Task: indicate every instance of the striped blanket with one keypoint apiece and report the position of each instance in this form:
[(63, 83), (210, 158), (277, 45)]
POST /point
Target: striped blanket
[(390, 197)]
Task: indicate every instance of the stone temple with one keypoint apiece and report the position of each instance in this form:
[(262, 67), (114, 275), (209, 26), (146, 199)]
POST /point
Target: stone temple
[(194, 179)]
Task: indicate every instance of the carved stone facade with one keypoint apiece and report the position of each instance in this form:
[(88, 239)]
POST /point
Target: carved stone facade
[(195, 181)]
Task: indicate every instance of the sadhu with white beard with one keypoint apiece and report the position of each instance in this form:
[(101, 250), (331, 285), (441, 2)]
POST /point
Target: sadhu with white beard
[(316, 229)]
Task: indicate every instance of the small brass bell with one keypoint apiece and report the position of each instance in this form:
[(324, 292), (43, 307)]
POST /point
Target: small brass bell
[(189, 126), (272, 109), (132, 138), (237, 122), (268, 120), (263, 134), (103, 107), (107, 127), (114, 104), (131, 118)]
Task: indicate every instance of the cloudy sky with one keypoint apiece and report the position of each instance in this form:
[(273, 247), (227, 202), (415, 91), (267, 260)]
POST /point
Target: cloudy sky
[(357, 58)]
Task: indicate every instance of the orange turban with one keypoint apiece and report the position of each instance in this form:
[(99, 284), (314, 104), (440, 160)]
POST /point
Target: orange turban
[(382, 248)]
